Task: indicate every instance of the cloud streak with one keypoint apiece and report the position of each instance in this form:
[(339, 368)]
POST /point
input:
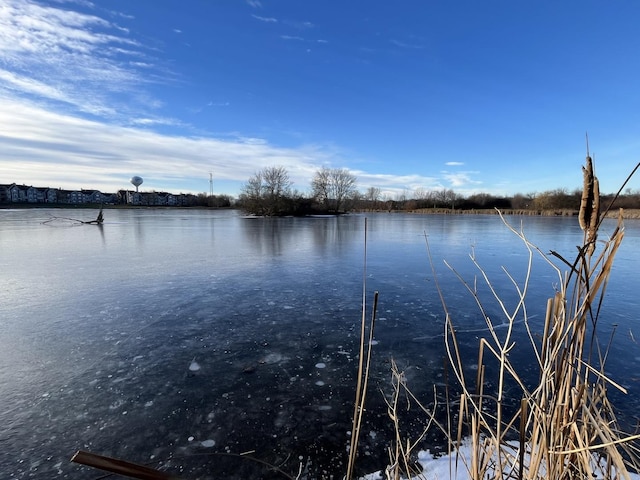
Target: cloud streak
[(71, 59), (460, 179), (265, 19)]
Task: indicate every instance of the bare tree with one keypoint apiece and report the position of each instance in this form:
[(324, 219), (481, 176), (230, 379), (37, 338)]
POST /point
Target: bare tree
[(267, 191), (333, 188), (421, 194), (372, 198), (320, 186), (276, 182), (372, 194), (446, 198), (251, 195)]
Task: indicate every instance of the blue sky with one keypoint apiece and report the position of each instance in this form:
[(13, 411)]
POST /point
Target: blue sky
[(474, 96)]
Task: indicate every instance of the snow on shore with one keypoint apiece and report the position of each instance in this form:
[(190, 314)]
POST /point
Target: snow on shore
[(453, 467)]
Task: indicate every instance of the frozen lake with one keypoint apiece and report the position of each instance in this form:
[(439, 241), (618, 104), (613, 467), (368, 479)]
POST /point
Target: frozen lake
[(184, 338)]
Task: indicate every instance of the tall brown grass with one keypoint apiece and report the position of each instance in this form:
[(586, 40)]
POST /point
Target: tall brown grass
[(565, 426)]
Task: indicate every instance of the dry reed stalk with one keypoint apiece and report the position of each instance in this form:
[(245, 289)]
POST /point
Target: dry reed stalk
[(401, 449), (363, 367)]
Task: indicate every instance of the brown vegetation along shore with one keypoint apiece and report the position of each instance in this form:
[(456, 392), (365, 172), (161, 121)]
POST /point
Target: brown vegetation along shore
[(632, 213)]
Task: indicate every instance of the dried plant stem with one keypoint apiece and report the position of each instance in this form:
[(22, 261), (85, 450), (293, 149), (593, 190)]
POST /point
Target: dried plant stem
[(363, 366)]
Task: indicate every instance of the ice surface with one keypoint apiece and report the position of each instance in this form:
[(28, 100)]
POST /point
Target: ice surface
[(269, 333)]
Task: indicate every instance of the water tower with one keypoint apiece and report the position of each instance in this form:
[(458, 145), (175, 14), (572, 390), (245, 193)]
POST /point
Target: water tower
[(136, 181)]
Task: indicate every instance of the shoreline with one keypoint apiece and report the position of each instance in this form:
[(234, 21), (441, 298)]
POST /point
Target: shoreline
[(628, 214), (631, 213)]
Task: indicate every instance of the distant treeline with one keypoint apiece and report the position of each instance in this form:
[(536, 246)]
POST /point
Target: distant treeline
[(560, 200), (334, 191), (269, 193)]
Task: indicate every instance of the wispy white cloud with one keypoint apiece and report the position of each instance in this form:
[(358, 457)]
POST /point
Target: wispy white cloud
[(254, 3), (299, 25), (177, 30), (141, 64), (265, 19), (461, 179), (454, 164), (151, 121), (292, 37), (82, 3), (401, 44), (77, 60)]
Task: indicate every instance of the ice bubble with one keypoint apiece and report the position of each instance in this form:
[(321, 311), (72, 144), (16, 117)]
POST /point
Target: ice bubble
[(324, 408), (194, 366), (149, 403), (320, 383), (273, 358), (190, 439), (208, 443), (321, 365)]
